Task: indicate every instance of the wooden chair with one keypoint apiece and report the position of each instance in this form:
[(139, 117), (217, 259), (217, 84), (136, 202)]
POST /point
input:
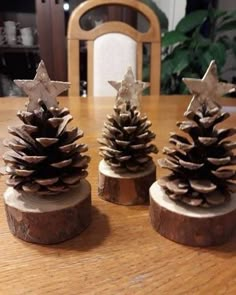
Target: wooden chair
[(76, 34)]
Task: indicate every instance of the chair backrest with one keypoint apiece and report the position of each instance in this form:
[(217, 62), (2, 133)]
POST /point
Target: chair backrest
[(120, 33)]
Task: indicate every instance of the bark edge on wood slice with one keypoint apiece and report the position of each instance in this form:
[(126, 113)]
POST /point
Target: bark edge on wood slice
[(191, 226), (48, 220), (125, 188)]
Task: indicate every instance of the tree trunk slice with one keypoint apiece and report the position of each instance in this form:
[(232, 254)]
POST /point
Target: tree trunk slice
[(125, 188), (191, 225), (48, 220)]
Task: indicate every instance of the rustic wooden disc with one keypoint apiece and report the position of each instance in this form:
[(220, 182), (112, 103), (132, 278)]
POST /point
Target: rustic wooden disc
[(125, 188), (191, 225), (48, 219)]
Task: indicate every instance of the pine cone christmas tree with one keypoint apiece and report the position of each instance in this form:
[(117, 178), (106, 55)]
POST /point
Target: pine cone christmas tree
[(126, 142), (200, 173), (44, 157), (200, 163), (127, 171), (126, 139)]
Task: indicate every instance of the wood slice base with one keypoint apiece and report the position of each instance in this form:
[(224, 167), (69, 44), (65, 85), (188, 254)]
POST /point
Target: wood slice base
[(191, 225), (125, 188), (48, 220)]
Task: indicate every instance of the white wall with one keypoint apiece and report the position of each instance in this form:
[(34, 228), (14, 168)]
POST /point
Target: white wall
[(227, 4), (174, 10)]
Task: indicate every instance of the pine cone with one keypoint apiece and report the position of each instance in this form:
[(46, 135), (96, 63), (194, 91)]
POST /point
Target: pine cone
[(126, 139), (44, 157), (201, 175)]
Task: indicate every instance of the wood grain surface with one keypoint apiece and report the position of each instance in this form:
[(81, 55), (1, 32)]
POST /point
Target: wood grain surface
[(120, 253)]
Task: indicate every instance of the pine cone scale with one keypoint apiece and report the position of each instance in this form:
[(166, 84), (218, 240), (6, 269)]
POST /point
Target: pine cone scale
[(72, 179), (191, 165), (195, 202), (46, 141), (56, 188), (29, 128), (33, 159), (16, 131), (143, 160), (224, 133), (81, 161), (124, 158), (13, 181), (137, 146), (8, 157), (219, 161), (187, 126), (61, 164), (30, 187), (130, 129), (14, 145), (23, 172), (166, 163), (228, 145), (62, 126), (207, 140), (46, 181), (202, 186), (55, 122), (68, 148), (215, 199), (25, 117), (174, 188), (122, 143), (73, 135), (223, 173)]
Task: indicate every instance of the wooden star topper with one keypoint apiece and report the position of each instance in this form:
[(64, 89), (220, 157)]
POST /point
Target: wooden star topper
[(128, 89), (207, 89), (42, 88)]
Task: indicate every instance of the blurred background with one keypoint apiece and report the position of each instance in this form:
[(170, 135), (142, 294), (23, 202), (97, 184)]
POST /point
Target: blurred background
[(193, 33)]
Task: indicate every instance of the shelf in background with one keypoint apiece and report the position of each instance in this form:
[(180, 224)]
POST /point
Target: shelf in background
[(18, 48)]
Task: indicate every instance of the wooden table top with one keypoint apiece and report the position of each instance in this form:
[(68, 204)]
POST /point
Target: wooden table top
[(119, 253)]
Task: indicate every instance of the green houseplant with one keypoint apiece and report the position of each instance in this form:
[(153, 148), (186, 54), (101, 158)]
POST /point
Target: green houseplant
[(199, 37)]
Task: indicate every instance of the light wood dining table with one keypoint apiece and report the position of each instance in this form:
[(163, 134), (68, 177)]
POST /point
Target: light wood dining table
[(119, 253)]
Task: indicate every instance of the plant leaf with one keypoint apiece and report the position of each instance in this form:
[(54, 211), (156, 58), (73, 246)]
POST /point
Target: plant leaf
[(220, 13), (205, 60), (173, 37), (232, 13), (167, 68), (181, 61), (229, 26), (202, 41), (218, 52), (226, 41), (191, 21), (183, 88)]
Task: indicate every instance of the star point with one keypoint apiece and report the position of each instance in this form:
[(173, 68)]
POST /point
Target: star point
[(41, 87)]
